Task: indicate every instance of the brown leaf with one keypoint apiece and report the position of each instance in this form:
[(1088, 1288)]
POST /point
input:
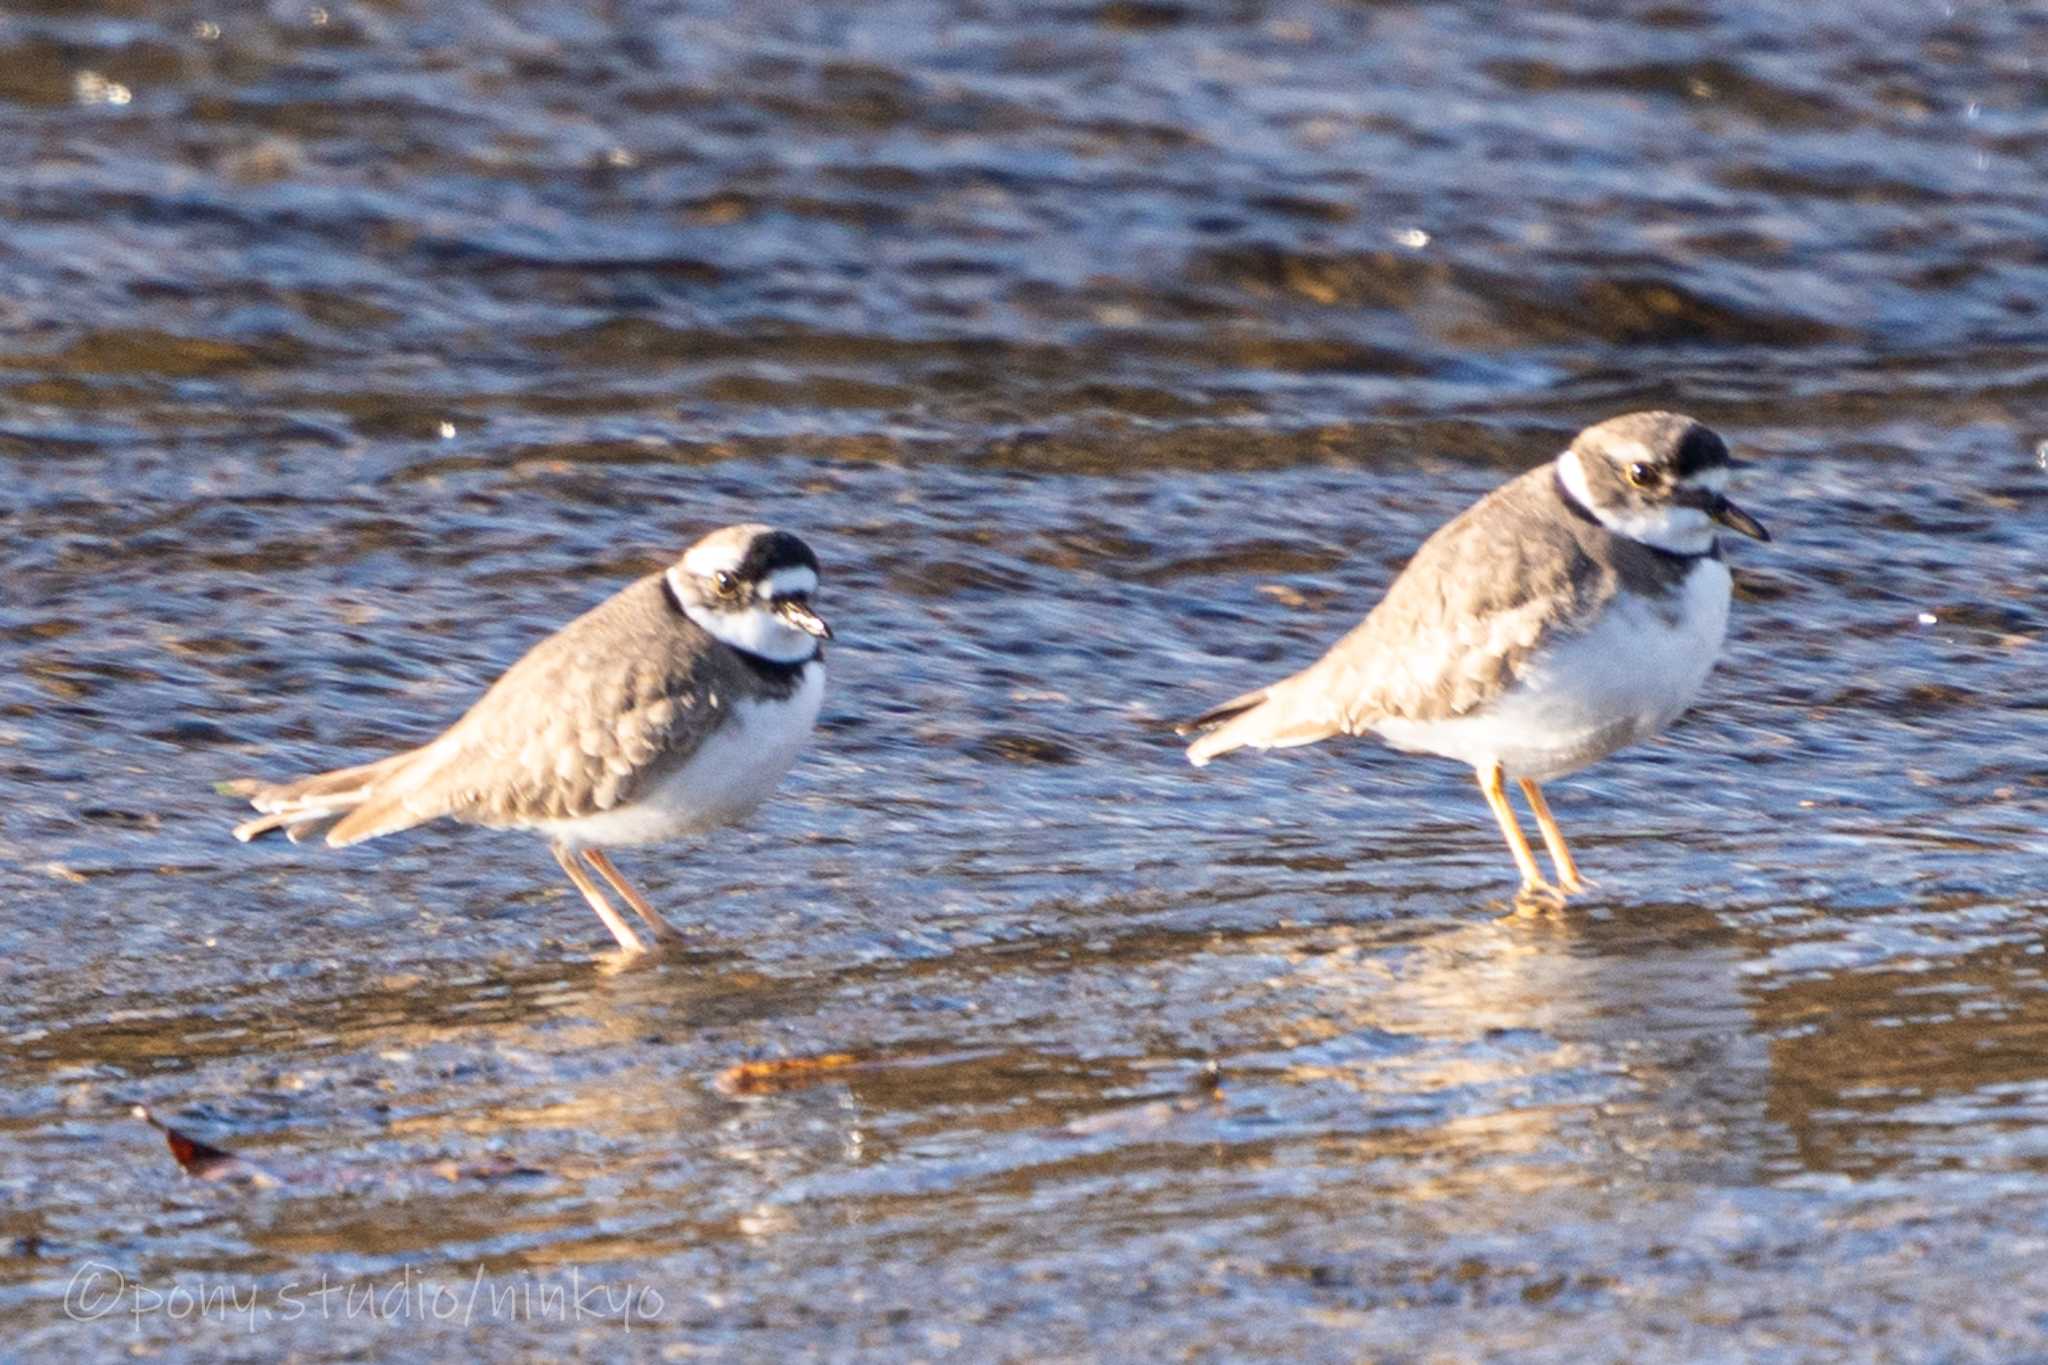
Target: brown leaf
[(497, 1168), (203, 1161), (784, 1073)]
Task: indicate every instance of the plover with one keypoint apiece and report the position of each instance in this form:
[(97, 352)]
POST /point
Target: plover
[(1570, 612), (673, 707)]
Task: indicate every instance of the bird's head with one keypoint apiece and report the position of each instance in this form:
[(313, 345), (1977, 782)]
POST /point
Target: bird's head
[(751, 586), (1656, 477)]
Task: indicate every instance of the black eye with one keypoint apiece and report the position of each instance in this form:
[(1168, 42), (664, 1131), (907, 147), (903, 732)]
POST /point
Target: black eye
[(726, 584), (1641, 475)]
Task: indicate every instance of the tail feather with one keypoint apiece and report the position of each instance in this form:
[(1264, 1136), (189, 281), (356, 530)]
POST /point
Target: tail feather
[(1216, 715), (298, 827), (306, 806), (1265, 719), (384, 812)]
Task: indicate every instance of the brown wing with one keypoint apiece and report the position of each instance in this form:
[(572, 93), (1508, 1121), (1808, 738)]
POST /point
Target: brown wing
[(574, 728), (1461, 621)]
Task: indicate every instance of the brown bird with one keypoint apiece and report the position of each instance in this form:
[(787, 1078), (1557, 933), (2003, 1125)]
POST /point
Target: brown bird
[(671, 708), (1570, 612)]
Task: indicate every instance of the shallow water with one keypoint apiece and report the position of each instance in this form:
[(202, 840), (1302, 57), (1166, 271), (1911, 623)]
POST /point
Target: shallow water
[(1113, 357)]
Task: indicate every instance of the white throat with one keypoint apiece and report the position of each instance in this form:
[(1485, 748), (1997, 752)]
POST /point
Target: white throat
[(752, 629), (1680, 530)]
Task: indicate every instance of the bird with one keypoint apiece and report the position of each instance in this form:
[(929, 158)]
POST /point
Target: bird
[(1570, 612), (673, 707)]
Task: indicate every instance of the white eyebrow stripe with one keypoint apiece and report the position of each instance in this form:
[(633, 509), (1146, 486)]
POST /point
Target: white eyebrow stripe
[(798, 580)]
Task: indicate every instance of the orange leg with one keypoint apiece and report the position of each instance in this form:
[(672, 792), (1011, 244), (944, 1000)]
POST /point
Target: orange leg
[(621, 930), (605, 868), (1568, 879), (1493, 782)]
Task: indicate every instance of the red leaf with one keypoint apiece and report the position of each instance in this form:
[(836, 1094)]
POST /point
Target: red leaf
[(202, 1161)]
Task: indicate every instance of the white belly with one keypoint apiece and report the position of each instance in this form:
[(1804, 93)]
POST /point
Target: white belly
[(731, 773), (1623, 680)]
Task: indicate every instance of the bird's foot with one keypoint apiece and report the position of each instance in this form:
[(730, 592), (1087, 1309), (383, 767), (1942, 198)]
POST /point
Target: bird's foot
[(631, 945), (1537, 897)]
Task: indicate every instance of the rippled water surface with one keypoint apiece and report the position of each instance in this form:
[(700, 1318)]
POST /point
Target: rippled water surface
[(1113, 356)]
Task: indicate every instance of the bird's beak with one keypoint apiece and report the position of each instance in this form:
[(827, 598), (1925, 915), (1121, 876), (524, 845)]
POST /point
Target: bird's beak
[(797, 612), (1735, 519)]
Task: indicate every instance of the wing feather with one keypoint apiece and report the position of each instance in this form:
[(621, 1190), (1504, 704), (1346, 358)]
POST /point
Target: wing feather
[(574, 728), (1490, 589), (577, 726)]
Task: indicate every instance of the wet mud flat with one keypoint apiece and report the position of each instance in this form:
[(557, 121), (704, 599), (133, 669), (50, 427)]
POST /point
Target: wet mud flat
[(1113, 358)]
